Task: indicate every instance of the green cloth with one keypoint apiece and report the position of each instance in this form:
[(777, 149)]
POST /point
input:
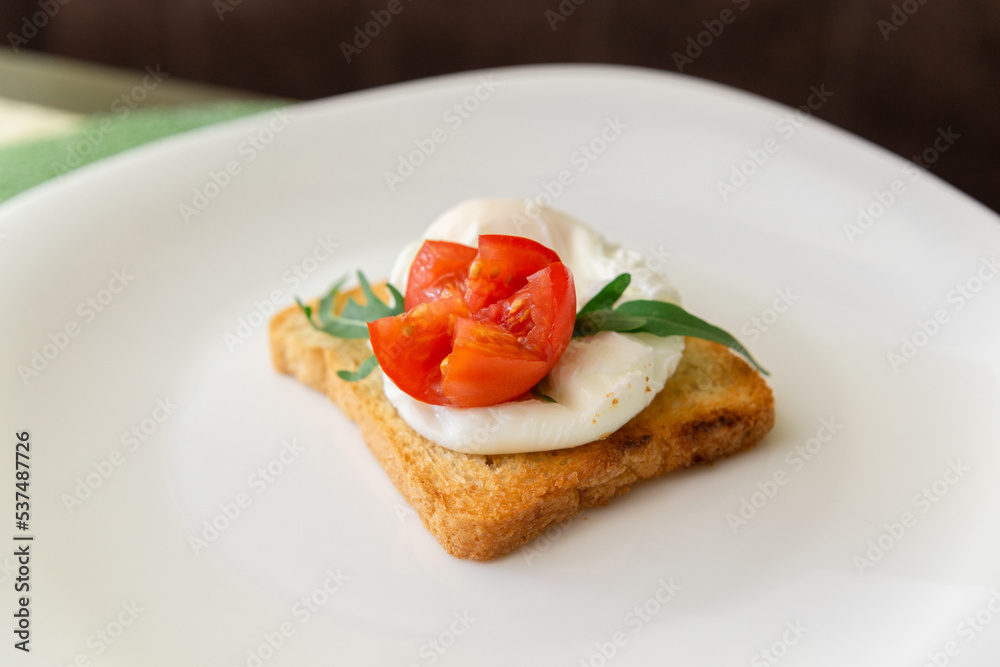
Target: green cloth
[(27, 164)]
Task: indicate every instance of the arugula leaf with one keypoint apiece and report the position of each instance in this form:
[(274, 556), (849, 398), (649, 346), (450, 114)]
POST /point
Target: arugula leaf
[(609, 294), (374, 308), (352, 323), (544, 398), (655, 317), (326, 303), (597, 321), (364, 370)]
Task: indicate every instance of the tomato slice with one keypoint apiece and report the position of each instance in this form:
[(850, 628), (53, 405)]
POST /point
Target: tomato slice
[(411, 346), (502, 267), (507, 350), (438, 270), (485, 326)]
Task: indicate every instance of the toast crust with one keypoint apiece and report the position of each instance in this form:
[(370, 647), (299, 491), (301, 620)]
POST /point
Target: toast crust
[(483, 506)]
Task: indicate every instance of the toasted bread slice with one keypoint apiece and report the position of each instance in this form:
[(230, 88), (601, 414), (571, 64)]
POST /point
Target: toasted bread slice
[(483, 506)]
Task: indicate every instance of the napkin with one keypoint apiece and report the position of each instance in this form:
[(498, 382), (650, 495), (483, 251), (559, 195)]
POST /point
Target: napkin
[(27, 164)]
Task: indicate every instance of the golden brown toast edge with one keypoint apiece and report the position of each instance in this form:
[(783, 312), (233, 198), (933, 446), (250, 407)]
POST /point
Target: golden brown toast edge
[(481, 507)]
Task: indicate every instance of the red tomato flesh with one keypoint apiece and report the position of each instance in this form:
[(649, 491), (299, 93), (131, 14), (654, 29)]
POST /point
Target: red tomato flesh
[(481, 327), (438, 270)]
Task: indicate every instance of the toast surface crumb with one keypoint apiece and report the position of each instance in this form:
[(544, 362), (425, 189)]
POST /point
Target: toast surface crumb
[(483, 506)]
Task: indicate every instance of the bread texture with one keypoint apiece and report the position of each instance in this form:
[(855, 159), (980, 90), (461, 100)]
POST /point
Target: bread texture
[(483, 506)]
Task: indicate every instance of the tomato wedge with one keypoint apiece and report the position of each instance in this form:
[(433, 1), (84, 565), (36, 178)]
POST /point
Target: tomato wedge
[(482, 326), (502, 267), (438, 270)]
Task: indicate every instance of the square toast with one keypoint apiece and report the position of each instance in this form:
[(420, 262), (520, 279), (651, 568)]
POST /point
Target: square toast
[(481, 507)]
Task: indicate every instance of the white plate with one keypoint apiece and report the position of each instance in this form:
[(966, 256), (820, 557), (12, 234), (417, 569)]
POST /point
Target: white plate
[(590, 589)]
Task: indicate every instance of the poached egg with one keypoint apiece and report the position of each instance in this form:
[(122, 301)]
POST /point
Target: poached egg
[(598, 384)]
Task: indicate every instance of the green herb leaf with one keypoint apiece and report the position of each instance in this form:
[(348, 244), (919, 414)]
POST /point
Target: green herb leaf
[(609, 294), (537, 393), (352, 323), (655, 317), (364, 370), (374, 308), (326, 303), (605, 320)]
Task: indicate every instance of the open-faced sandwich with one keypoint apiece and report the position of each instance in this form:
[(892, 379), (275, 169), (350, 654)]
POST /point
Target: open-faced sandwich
[(518, 368)]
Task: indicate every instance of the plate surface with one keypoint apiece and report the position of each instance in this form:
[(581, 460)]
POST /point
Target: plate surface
[(190, 506)]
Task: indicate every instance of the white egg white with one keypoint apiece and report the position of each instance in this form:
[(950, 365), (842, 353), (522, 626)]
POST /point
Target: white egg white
[(599, 383)]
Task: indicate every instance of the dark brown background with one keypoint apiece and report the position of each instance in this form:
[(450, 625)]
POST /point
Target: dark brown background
[(940, 69)]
